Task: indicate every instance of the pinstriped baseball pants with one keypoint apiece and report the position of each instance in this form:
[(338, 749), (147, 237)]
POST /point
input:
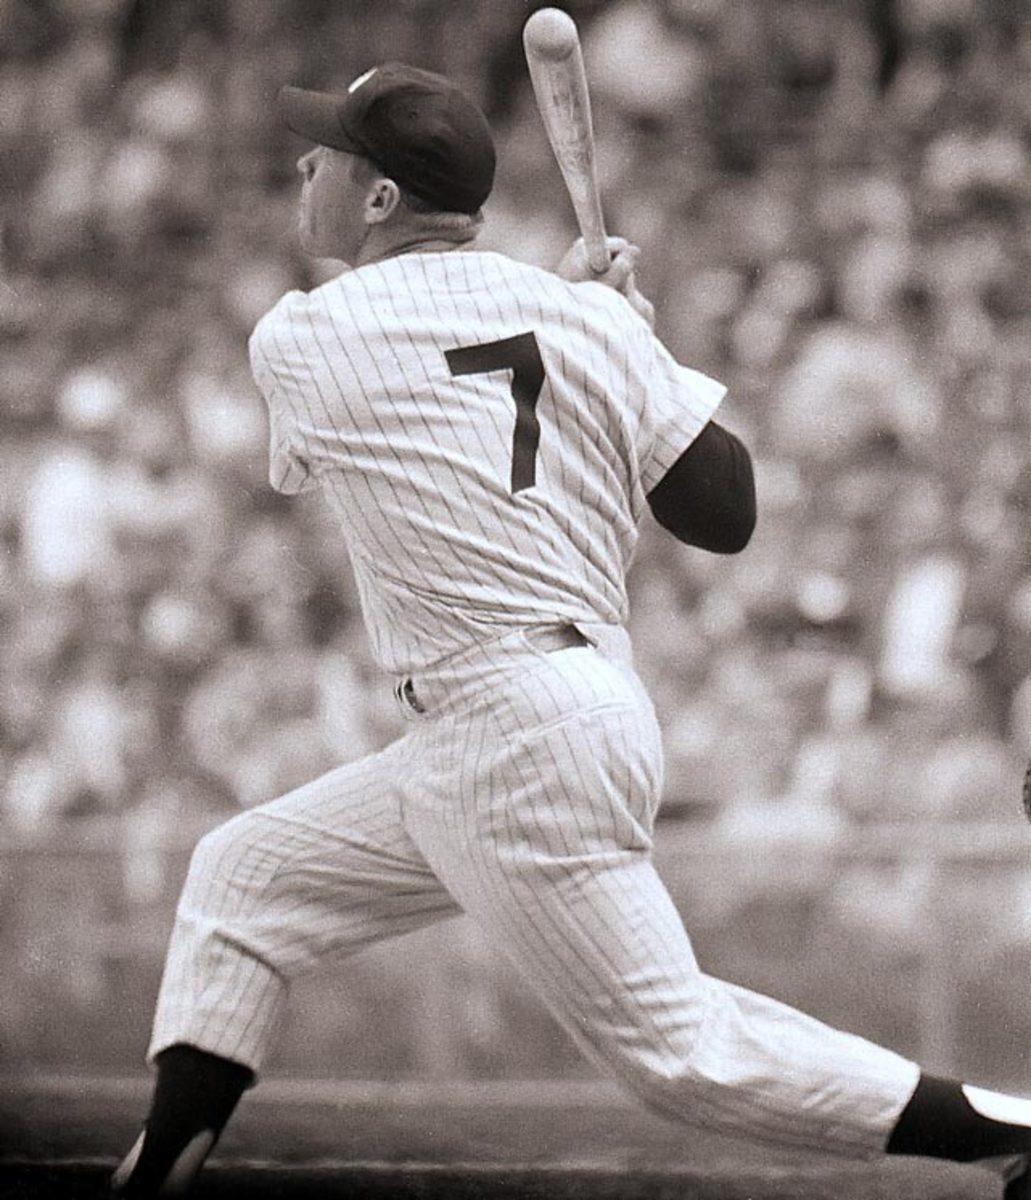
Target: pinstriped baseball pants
[(523, 794)]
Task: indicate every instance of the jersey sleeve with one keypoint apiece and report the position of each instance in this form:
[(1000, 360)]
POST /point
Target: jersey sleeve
[(278, 367), (679, 402)]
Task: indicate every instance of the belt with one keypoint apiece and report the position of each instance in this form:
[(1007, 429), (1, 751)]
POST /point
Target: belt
[(545, 638)]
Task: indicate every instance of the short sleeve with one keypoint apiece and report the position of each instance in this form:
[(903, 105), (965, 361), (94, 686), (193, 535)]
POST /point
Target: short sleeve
[(679, 404), (275, 360)]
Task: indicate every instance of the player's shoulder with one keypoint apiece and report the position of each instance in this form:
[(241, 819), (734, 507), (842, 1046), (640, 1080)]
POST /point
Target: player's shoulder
[(281, 316), (296, 315), (585, 298)]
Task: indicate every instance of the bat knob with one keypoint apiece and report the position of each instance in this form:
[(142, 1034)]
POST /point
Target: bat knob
[(550, 33)]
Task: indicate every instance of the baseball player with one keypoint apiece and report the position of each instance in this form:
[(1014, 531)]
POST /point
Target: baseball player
[(488, 436)]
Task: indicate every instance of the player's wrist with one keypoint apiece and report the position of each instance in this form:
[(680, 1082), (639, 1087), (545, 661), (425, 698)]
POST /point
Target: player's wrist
[(575, 267)]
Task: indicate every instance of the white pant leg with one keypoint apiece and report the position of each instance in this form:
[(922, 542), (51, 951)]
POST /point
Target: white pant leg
[(281, 888), (543, 835)]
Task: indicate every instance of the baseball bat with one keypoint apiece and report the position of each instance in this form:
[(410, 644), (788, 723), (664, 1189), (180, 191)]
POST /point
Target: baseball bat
[(556, 65)]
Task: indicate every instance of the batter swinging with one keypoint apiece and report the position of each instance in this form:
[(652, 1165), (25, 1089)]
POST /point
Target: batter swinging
[(488, 436)]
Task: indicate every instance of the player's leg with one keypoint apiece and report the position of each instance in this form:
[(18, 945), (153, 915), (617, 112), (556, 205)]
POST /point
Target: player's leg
[(546, 844), (318, 873), (598, 937)]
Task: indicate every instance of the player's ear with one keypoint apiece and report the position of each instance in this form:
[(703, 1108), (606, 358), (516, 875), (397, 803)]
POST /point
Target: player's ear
[(381, 201)]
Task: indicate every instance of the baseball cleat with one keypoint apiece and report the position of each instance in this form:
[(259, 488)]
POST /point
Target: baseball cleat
[(176, 1183), (120, 1179)]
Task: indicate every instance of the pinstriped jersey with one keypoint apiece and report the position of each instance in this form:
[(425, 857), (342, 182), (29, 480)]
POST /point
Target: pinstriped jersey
[(485, 434)]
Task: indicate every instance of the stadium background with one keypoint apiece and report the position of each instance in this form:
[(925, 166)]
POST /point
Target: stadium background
[(833, 203)]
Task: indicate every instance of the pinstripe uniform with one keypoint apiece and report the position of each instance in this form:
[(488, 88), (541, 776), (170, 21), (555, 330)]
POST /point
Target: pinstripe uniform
[(486, 435)]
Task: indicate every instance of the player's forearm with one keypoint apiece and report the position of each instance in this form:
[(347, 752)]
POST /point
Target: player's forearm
[(707, 498)]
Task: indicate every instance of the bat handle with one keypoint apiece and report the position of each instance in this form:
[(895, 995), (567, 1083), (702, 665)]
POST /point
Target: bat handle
[(592, 229), (598, 257)]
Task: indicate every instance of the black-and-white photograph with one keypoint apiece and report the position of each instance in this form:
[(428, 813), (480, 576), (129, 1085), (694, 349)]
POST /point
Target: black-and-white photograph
[(515, 599)]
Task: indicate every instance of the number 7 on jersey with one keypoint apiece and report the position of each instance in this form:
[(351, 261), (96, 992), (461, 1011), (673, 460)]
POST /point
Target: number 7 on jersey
[(521, 355)]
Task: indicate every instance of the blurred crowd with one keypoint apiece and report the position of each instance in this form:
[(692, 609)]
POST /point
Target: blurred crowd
[(833, 204)]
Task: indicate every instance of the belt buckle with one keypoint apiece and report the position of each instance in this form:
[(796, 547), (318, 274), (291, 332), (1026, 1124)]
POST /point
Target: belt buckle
[(406, 692)]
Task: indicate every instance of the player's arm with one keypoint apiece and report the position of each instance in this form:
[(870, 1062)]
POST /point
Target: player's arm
[(280, 372), (707, 498), (696, 475)]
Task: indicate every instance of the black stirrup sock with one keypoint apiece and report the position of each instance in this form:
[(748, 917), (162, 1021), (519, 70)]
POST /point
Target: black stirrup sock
[(947, 1119), (194, 1097)]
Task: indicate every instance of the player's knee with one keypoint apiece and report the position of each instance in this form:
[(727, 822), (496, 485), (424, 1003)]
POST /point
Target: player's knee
[(662, 1086), (221, 855), (660, 1068)]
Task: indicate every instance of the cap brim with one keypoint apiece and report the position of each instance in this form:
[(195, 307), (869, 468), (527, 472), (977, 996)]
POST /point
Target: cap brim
[(315, 116)]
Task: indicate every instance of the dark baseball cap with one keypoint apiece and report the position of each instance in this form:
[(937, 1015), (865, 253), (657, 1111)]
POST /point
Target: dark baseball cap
[(418, 128)]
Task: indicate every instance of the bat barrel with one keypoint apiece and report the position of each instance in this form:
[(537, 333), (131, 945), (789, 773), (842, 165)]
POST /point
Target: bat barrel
[(556, 67), (550, 33)]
